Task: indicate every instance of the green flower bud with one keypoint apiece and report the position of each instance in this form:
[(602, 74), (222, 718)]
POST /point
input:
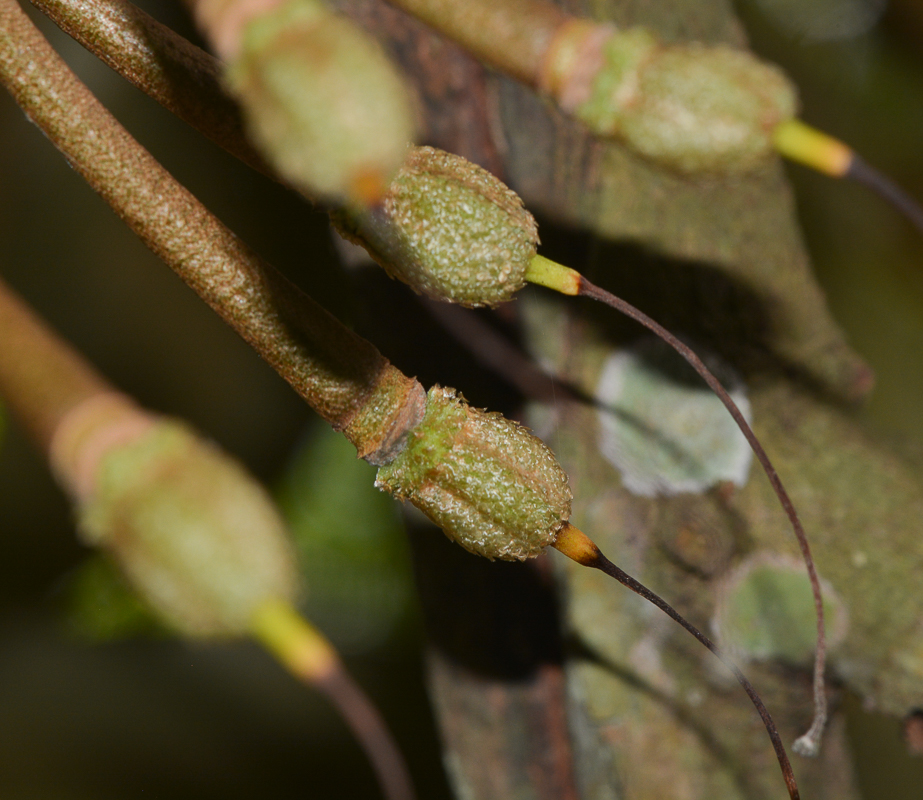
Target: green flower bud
[(322, 101), (692, 107), (195, 535), (492, 486), (449, 229)]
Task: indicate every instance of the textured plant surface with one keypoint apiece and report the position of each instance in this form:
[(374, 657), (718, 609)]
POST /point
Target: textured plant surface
[(592, 696), (723, 261)]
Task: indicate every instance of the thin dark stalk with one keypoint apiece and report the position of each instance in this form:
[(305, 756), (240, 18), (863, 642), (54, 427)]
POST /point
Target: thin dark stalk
[(497, 353), (370, 731), (862, 172), (809, 743), (605, 565)]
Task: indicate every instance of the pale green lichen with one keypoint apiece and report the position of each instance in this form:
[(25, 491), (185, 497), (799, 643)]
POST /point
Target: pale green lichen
[(492, 486), (322, 101), (449, 229), (766, 611), (195, 535), (691, 107), (663, 428)]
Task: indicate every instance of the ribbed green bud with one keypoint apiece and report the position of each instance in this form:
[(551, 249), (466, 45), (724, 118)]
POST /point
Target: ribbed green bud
[(492, 486), (449, 229), (197, 537), (692, 107), (323, 102)]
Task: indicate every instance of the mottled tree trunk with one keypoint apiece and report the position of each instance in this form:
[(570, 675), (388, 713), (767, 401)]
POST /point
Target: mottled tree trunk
[(595, 695)]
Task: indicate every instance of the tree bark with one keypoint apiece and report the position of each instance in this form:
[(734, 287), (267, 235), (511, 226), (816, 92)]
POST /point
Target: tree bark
[(627, 706)]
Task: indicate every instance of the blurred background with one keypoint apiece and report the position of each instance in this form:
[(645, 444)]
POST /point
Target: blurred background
[(95, 701)]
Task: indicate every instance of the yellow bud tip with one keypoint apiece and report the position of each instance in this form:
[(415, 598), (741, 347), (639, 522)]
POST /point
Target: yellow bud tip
[(551, 275), (576, 545), (309, 656), (802, 143), (300, 647)]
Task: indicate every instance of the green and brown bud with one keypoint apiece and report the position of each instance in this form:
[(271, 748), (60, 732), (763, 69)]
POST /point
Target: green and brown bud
[(692, 107), (197, 537), (449, 229), (322, 101), (492, 486)]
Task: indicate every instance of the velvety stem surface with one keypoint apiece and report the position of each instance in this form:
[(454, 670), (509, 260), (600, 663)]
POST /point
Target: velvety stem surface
[(42, 378), (342, 376), (511, 35), (183, 78)]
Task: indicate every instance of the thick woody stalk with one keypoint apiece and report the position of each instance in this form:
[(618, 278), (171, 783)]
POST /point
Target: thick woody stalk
[(690, 107), (513, 36), (183, 78), (342, 376), (197, 538), (42, 378)]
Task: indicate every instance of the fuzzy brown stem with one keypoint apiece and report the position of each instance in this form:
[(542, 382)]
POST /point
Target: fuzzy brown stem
[(183, 78), (342, 376), (511, 35), (42, 378)]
